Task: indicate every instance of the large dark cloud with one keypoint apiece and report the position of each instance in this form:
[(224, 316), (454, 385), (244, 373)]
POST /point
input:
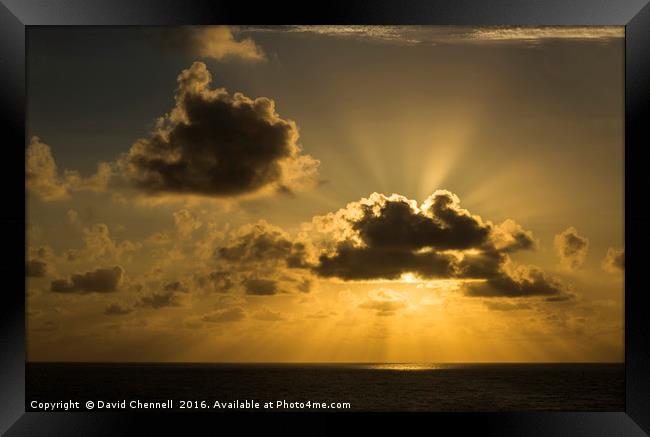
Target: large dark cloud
[(351, 262), (104, 280), (439, 224), (388, 237), (216, 144)]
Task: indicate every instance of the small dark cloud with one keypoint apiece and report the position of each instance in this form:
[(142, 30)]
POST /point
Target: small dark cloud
[(117, 309), (263, 243), (571, 248), (261, 287), (216, 144), (217, 280), (614, 260), (522, 282), (104, 280), (36, 268)]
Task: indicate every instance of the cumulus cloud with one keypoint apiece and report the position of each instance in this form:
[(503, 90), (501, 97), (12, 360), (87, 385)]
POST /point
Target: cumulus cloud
[(262, 259), (103, 280), (216, 144), (384, 301), (386, 237), (42, 176), (263, 243), (219, 281), (234, 314), (170, 296), (614, 261), (99, 245), (571, 248), (220, 43), (186, 223)]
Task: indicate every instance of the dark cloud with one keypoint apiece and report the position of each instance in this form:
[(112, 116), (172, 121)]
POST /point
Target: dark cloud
[(355, 263), (614, 260), (226, 315), (117, 309), (216, 144), (571, 248), (440, 224), (170, 296), (100, 281), (523, 281), (218, 280), (263, 243), (261, 251), (261, 287), (387, 237), (36, 268)]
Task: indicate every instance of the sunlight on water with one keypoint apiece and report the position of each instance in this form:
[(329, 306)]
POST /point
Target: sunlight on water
[(404, 367)]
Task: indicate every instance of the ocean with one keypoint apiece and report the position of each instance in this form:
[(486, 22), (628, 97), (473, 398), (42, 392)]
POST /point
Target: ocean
[(344, 387)]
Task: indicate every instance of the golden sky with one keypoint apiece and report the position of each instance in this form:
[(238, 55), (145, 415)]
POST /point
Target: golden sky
[(325, 194)]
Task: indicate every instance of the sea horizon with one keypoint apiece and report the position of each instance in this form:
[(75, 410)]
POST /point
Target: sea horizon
[(361, 386)]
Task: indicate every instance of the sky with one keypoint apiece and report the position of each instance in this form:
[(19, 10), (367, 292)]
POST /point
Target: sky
[(325, 194)]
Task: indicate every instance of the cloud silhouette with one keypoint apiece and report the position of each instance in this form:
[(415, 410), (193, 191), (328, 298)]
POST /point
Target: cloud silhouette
[(220, 145), (571, 248), (386, 237), (103, 280)]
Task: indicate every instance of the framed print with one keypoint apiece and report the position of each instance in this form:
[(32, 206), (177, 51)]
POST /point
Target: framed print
[(351, 217)]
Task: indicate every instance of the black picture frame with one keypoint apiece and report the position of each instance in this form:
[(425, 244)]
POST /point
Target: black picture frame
[(17, 15)]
